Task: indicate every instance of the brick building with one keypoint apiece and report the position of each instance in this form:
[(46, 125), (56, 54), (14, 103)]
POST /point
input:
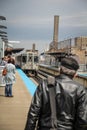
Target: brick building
[(78, 47)]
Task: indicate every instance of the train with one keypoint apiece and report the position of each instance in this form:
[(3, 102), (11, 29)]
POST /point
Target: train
[(28, 61)]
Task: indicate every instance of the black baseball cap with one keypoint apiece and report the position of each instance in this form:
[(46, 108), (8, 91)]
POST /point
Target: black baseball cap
[(70, 63)]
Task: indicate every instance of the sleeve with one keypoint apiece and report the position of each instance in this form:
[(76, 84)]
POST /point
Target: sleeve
[(14, 70), (34, 111), (81, 112)]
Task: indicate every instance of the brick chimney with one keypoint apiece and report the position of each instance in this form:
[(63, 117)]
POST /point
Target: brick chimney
[(56, 23), (54, 44)]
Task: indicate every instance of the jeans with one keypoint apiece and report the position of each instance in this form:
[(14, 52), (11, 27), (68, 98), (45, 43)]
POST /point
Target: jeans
[(8, 90)]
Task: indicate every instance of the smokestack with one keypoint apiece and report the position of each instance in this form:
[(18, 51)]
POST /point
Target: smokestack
[(54, 44), (56, 23)]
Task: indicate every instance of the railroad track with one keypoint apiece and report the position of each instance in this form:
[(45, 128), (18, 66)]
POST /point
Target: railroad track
[(42, 76), (48, 70)]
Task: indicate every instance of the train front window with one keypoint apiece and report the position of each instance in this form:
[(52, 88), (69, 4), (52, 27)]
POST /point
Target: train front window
[(30, 59), (36, 59), (24, 59)]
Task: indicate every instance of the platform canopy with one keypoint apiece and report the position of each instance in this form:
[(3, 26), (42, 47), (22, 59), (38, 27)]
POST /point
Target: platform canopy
[(60, 53), (16, 50), (13, 50)]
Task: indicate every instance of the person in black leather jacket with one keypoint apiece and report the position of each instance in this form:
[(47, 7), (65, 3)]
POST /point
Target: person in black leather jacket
[(71, 102)]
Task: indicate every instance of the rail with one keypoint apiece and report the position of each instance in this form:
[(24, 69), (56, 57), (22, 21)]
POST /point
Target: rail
[(44, 76), (82, 79), (48, 69)]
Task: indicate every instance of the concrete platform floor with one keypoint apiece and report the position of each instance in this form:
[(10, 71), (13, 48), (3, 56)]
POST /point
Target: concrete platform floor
[(13, 110)]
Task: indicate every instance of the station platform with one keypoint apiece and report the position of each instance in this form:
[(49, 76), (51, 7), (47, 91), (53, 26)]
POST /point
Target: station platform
[(13, 110)]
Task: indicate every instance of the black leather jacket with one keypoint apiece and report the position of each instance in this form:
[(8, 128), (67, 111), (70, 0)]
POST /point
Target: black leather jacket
[(71, 106)]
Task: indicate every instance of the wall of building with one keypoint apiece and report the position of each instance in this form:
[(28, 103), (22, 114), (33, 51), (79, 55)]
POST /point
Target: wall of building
[(80, 54), (77, 46), (1, 48), (81, 43)]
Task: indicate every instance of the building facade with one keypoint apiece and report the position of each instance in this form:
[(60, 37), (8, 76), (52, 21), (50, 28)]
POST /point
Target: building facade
[(78, 47)]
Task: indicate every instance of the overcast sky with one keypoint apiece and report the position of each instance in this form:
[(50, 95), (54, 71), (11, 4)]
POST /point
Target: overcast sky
[(32, 21)]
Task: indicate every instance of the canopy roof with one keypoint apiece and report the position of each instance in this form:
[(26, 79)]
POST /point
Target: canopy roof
[(60, 53), (13, 50)]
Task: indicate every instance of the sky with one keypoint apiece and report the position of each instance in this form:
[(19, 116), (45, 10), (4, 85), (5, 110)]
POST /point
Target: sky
[(32, 21)]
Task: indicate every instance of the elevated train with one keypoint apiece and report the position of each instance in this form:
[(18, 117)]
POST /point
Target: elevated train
[(28, 61)]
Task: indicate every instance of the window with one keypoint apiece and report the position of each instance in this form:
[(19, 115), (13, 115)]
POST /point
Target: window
[(36, 59), (24, 59)]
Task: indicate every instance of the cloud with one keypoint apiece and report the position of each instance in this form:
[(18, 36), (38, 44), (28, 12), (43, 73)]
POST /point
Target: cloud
[(30, 21), (75, 20), (33, 20)]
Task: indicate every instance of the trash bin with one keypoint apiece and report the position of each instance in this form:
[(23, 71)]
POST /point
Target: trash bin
[(1, 77)]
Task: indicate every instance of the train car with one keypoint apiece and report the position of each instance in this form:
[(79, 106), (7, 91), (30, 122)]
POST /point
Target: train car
[(28, 61)]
